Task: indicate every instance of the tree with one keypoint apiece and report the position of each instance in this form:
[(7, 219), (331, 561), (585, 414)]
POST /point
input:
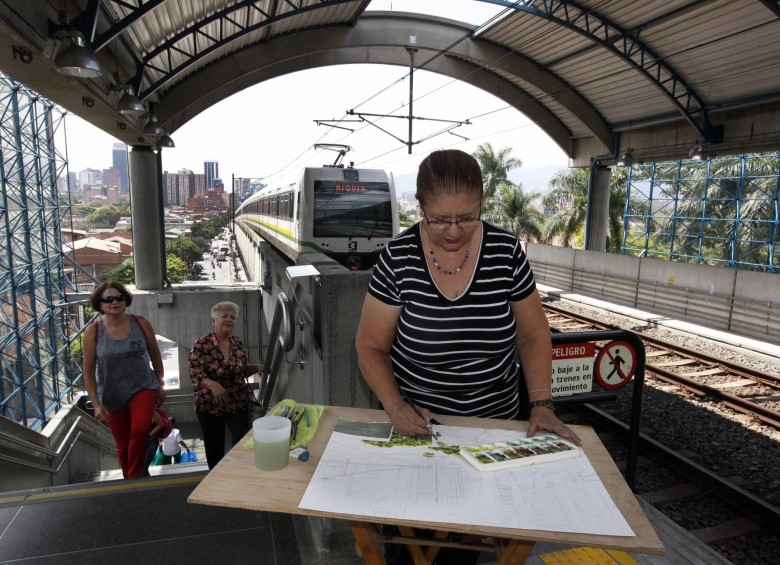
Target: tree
[(210, 227), (185, 250), (177, 269), (403, 219), (124, 273), (106, 215), (571, 187), (495, 167), (512, 209)]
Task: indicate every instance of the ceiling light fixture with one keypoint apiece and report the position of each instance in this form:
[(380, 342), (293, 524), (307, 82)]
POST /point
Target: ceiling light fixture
[(166, 141), (152, 127), (129, 104), (75, 59)]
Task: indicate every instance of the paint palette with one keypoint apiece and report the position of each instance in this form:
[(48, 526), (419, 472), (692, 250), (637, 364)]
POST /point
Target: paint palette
[(519, 453)]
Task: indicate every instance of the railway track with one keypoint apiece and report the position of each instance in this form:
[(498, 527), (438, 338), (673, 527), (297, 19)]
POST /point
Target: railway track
[(739, 388), (724, 498)]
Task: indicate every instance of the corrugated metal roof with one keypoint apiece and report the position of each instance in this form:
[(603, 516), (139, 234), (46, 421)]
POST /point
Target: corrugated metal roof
[(617, 63)]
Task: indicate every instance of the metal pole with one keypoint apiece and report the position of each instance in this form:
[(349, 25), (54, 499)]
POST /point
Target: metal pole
[(411, 97)]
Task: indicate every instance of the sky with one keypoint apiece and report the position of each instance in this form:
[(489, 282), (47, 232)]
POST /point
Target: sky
[(269, 131)]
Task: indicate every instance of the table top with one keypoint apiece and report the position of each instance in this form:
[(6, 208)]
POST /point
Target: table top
[(236, 483)]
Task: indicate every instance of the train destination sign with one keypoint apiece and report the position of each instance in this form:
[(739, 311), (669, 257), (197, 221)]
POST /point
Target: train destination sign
[(572, 368), (340, 187)]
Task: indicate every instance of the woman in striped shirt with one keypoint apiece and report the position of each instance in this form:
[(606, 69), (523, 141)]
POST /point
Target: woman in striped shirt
[(451, 302)]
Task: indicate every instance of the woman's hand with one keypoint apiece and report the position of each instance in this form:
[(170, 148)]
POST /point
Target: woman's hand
[(407, 422), (544, 419), (161, 394), (219, 393), (101, 414)]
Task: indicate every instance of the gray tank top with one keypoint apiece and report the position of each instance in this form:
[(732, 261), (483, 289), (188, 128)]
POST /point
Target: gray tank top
[(123, 366)]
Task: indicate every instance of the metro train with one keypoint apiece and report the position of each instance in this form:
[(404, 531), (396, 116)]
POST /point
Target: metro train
[(345, 213)]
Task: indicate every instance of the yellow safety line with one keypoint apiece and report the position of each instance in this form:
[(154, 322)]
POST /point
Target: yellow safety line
[(622, 557), (593, 555)]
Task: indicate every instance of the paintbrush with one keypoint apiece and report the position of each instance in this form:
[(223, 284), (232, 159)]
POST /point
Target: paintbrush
[(416, 411)]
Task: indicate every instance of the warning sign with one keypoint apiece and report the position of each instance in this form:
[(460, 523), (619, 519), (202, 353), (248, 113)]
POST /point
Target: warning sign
[(572, 368), (615, 364)]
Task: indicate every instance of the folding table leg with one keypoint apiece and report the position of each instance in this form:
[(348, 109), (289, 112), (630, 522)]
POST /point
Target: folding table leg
[(366, 540), (512, 552)]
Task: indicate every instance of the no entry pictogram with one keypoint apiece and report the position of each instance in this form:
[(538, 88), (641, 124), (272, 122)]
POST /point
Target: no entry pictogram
[(615, 364)]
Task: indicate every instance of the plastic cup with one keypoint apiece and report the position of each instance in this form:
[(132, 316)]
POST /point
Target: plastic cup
[(272, 442)]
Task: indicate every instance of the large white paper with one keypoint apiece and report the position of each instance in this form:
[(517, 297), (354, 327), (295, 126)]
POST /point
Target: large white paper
[(401, 482)]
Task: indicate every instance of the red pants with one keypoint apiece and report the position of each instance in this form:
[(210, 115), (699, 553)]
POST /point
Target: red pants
[(130, 428)]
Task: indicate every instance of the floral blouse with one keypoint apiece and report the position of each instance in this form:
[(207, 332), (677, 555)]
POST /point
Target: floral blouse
[(207, 362)]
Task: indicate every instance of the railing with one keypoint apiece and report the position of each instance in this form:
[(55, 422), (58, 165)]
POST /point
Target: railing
[(754, 318), (280, 341), (56, 457)]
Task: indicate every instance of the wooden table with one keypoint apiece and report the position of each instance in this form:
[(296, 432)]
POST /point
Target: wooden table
[(237, 483)]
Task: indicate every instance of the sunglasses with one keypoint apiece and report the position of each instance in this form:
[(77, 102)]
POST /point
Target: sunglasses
[(110, 299)]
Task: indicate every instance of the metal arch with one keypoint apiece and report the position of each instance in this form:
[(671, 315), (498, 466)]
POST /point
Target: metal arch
[(187, 98), (553, 118), (627, 46), (196, 30)]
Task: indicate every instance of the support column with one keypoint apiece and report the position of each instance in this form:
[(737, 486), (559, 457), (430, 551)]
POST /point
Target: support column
[(145, 208), (598, 219)]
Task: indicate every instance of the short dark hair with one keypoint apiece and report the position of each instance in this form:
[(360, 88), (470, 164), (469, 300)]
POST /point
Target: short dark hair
[(449, 172), (94, 298)]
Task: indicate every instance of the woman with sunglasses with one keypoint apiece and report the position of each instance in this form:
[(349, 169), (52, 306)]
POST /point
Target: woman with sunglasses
[(123, 373)]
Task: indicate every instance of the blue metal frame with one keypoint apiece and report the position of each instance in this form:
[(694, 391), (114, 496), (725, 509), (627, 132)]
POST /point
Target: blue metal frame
[(723, 211), (37, 371)]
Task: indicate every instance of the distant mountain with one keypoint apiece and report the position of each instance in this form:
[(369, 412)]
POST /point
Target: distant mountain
[(405, 183)]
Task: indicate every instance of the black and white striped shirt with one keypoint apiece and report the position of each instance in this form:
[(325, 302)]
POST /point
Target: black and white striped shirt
[(456, 356)]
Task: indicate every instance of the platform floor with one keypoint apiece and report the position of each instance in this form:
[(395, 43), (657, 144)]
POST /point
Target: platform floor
[(149, 522)]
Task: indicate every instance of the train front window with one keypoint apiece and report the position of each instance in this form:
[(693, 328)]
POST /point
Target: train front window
[(352, 209)]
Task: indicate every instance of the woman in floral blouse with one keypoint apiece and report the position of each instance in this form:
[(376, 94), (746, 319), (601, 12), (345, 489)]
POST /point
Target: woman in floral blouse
[(218, 367)]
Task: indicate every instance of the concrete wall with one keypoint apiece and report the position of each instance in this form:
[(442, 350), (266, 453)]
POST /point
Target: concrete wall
[(743, 302), (322, 366)]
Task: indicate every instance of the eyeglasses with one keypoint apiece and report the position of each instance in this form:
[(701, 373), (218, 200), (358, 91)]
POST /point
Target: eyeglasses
[(110, 299), (441, 225)]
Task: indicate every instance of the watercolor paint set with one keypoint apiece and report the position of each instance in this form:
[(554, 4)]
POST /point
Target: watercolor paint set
[(519, 453)]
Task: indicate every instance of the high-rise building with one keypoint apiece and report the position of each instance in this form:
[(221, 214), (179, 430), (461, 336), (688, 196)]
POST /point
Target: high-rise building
[(198, 184), (211, 169), (186, 188), (119, 153), (91, 177)]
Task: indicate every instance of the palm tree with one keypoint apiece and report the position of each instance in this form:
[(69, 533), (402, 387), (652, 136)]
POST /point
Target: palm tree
[(725, 210), (571, 186), (512, 209), (495, 167)]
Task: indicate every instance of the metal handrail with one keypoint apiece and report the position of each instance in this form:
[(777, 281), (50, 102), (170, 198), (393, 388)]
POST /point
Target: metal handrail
[(280, 341), (66, 445)]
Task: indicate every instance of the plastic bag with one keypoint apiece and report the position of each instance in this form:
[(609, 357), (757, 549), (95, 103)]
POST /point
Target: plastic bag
[(159, 458), (188, 457)]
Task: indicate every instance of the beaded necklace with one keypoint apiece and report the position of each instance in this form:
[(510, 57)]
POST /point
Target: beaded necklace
[(448, 272)]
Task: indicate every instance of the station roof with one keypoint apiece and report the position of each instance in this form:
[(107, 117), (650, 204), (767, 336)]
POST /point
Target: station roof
[(600, 77)]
